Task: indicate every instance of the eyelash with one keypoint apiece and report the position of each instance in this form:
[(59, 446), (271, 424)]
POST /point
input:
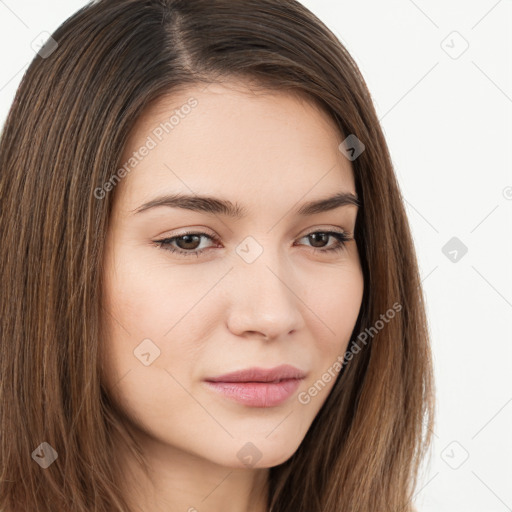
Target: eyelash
[(341, 239)]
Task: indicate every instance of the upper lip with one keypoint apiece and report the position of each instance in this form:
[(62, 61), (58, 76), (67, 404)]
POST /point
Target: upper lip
[(256, 374)]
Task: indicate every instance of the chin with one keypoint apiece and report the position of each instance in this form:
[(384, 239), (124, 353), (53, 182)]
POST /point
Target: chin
[(262, 454)]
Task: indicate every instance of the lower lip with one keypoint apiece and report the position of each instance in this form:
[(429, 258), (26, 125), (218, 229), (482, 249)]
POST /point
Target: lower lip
[(257, 394)]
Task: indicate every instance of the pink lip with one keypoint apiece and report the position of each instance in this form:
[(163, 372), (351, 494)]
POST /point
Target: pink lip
[(258, 387)]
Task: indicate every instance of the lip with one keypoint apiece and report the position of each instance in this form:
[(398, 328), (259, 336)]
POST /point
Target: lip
[(258, 387), (256, 374)]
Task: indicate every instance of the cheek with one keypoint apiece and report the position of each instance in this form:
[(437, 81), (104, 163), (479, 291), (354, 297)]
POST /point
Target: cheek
[(338, 307), (148, 298), (336, 300), (152, 301)]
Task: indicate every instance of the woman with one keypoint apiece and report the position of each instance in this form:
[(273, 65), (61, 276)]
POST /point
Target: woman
[(211, 299)]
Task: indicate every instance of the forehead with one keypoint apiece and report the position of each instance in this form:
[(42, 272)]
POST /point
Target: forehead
[(236, 141)]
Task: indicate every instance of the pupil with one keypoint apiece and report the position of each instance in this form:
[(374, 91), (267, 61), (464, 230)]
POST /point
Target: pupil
[(189, 239), (315, 237)]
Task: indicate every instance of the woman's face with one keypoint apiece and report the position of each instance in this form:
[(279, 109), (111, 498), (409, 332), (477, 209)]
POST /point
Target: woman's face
[(246, 291)]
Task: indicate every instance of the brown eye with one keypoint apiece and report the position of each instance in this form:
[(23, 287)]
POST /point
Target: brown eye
[(319, 239), (186, 244)]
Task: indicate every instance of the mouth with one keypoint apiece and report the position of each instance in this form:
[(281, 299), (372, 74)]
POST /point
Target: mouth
[(258, 387)]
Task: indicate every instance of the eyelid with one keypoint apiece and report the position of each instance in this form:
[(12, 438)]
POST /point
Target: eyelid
[(326, 229)]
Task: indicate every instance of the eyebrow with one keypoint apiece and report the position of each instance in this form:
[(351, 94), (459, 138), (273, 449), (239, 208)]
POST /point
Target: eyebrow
[(214, 205)]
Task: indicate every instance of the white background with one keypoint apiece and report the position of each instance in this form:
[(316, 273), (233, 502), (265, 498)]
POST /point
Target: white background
[(447, 119)]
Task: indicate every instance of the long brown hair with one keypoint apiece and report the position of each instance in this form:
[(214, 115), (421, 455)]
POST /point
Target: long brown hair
[(63, 138)]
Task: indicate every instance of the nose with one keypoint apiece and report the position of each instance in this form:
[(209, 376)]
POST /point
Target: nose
[(264, 298)]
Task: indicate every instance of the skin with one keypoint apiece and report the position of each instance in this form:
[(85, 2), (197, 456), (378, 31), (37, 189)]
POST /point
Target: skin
[(270, 152)]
